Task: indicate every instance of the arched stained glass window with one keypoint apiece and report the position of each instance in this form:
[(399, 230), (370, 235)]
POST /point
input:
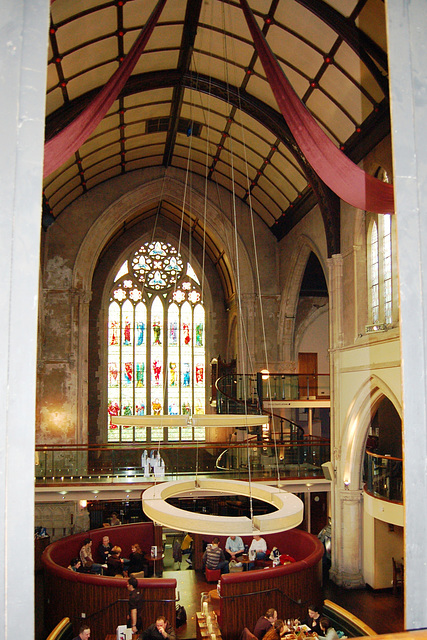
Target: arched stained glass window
[(382, 289), (156, 343)]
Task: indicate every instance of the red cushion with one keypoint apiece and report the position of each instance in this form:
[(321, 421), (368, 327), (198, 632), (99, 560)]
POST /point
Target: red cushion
[(212, 575)]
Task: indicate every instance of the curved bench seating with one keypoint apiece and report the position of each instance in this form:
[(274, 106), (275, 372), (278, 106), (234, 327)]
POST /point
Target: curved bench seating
[(244, 596), (289, 588), (102, 599)]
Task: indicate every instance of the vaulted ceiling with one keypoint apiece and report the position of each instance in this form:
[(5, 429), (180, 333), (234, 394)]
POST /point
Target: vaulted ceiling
[(198, 98)]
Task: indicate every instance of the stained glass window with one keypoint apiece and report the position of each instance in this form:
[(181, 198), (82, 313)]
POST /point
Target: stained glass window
[(156, 343)]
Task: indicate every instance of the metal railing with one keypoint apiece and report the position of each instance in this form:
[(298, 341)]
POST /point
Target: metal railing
[(115, 463), (253, 390), (294, 386), (237, 394), (383, 476)]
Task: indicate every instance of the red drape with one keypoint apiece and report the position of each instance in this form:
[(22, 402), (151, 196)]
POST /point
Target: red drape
[(346, 179), (66, 142)]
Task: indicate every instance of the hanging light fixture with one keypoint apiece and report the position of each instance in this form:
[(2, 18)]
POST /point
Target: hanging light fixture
[(288, 513), (198, 420)]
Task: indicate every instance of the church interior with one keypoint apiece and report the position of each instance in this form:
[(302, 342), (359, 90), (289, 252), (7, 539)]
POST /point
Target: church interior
[(219, 236)]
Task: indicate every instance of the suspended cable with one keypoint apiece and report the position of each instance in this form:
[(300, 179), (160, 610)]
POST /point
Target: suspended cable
[(257, 275)]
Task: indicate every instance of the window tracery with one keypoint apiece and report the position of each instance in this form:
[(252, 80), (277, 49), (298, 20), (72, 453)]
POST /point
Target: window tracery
[(156, 343)]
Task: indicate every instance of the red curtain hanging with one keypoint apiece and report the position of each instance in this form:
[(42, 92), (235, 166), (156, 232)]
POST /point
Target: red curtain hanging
[(66, 142), (346, 179)]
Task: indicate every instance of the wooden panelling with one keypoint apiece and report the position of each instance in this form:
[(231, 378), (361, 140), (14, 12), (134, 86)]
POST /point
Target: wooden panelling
[(105, 607), (242, 603)]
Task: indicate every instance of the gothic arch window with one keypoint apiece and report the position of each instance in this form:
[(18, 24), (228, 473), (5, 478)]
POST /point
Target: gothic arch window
[(156, 344), (381, 269), (374, 264)]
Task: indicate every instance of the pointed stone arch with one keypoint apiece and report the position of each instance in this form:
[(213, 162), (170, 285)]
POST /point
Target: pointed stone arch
[(347, 512), (110, 220), (363, 407), (290, 295)]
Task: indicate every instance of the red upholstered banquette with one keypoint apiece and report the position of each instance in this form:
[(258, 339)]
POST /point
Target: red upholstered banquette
[(101, 599), (288, 588)]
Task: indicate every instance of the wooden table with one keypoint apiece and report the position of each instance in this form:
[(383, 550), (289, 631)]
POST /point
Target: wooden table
[(202, 632)]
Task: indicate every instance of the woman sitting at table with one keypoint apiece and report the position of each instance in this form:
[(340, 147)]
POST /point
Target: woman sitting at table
[(328, 632), (137, 560), (313, 620), (277, 630), (114, 563), (257, 550)]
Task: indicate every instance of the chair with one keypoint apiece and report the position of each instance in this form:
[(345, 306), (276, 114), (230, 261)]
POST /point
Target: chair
[(397, 575), (212, 575), (247, 635)]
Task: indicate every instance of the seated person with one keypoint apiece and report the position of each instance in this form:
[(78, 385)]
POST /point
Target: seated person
[(276, 631), (75, 565), (104, 549), (114, 563), (327, 632), (84, 632), (213, 557), (88, 565), (313, 620), (187, 547), (264, 623), (114, 521), (257, 550), (234, 547), (160, 630), (137, 560)]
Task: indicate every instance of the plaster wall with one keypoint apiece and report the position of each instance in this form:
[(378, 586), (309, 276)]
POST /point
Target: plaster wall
[(315, 339), (381, 543), (357, 365)]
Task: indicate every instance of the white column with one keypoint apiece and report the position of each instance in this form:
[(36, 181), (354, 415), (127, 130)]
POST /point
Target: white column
[(23, 53), (407, 28), (346, 567), (335, 266)]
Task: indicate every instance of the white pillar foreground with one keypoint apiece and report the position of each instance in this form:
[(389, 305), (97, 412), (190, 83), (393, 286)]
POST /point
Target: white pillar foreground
[(23, 54), (407, 26)]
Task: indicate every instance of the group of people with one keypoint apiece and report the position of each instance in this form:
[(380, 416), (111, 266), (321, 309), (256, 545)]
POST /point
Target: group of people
[(215, 558), (161, 629), (270, 627), (111, 563)]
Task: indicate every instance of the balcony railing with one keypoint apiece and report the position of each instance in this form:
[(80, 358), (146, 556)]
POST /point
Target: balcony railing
[(294, 386), (383, 476), (116, 463), (253, 389)]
